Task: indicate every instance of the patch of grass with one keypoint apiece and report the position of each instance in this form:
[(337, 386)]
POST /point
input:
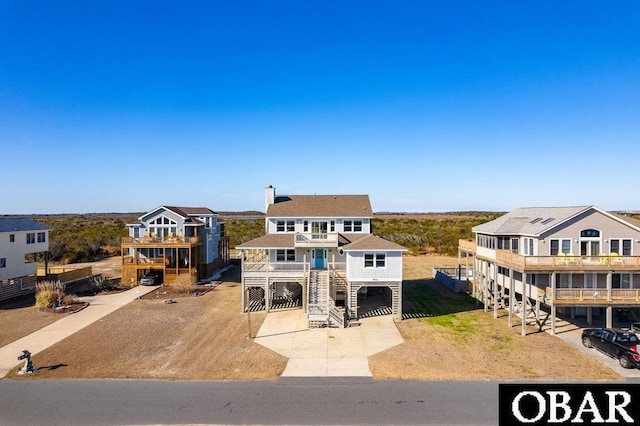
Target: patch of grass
[(457, 326)]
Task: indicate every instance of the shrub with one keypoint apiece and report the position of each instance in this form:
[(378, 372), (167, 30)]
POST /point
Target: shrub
[(101, 283), (70, 299), (50, 286), (46, 298), (184, 283), (47, 293)]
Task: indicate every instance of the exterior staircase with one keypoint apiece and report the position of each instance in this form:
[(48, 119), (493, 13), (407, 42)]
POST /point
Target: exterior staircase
[(322, 311)]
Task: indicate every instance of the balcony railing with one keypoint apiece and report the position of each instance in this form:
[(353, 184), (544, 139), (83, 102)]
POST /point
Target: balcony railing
[(161, 240), (560, 262), (310, 239), (595, 295), (287, 266), (467, 245)]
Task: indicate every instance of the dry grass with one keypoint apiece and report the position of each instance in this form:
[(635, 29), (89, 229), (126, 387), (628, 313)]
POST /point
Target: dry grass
[(205, 338), (196, 338), (24, 319)]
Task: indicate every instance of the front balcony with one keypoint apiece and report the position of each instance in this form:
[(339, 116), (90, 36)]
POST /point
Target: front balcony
[(154, 241), (593, 296), (310, 239), (286, 269), (561, 262)]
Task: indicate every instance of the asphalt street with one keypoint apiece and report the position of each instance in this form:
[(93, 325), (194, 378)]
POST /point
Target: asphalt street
[(285, 401)]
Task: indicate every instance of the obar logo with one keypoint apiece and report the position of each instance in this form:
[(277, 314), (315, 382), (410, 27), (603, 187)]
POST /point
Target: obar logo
[(553, 404)]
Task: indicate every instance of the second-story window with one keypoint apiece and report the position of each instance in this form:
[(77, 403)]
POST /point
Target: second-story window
[(352, 226), (305, 226), (31, 238), (42, 237), (528, 246), (285, 226), (374, 260), (559, 246), (12, 238), (620, 246)]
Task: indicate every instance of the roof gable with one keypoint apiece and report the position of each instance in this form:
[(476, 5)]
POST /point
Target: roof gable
[(535, 221)]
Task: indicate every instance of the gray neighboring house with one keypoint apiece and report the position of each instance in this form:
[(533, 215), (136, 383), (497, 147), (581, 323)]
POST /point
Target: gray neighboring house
[(320, 253), (576, 261), (21, 240)]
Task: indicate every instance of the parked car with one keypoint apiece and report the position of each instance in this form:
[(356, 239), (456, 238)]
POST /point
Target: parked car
[(619, 344), (151, 278), (635, 327)]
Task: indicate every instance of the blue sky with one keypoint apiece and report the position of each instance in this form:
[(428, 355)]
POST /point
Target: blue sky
[(425, 106)]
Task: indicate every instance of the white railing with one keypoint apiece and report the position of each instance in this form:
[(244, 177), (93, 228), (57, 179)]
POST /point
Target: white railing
[(310, 238)]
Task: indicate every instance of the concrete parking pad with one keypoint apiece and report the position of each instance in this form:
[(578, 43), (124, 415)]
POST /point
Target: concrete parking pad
[(326, 352)]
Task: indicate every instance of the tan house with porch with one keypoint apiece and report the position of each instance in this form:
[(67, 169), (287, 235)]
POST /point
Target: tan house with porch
[(173, 241), (539, 262), (319, 253)]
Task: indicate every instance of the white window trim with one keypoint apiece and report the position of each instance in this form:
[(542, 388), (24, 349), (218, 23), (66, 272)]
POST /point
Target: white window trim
[(375, 260)]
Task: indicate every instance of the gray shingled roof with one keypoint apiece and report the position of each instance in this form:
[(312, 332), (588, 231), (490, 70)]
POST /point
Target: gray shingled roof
[(190, 211), (530, 220), (373, 242), (348, 206), (346, 241), (270, 241), (17, 224)]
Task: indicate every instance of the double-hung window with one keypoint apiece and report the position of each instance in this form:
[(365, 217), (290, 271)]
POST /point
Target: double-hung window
[(621, 246), (375, 260), (285, 226), (557, 246), (42, 237), (285, 255), (31, 238)]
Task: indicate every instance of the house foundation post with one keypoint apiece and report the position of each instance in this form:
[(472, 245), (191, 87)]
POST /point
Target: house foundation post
[(523, 311), (495, 292), (511, 299), (553, 301)]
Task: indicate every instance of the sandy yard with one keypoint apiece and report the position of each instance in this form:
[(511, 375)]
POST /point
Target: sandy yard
[(206, 338)]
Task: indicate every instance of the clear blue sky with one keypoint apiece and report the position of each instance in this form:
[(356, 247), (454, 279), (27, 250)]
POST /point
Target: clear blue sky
[(119, 106)]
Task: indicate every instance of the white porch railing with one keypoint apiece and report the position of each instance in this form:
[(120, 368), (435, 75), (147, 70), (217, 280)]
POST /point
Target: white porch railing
[(306, 239)]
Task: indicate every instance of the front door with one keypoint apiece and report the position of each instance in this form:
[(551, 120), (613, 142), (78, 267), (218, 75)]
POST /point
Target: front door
[(319, 258)]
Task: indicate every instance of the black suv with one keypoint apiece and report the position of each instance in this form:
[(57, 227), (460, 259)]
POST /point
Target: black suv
[(619, 344)]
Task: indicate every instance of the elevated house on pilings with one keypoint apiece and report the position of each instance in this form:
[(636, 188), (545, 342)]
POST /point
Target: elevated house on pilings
[(22, 241), (541, 262), (174, 241), (319, 253)]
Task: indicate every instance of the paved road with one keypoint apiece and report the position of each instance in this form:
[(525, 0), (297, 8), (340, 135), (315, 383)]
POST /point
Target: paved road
[(286, 401)]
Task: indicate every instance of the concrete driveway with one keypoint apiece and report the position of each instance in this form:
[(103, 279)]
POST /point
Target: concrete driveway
[(571, 333), (326, 352)]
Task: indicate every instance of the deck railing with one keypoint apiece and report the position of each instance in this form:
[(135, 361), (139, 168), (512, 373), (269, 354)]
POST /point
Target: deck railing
[(560, 262), (161, 240), (316, 239), (595, 294)]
